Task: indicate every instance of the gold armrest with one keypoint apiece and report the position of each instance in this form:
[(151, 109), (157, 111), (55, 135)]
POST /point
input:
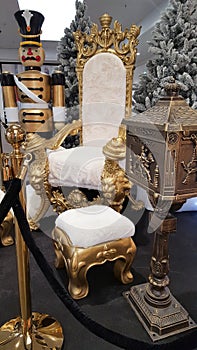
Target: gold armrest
[(70, 129), (34, 142)]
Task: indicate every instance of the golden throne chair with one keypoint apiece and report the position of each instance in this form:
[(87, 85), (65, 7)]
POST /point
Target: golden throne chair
[(89, 233), (105, 64)]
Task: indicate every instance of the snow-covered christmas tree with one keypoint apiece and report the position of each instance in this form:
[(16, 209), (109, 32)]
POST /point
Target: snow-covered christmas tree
[(67, 55), (174, 46)]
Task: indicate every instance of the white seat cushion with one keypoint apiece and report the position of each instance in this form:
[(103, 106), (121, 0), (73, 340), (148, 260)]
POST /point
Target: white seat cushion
[(94, 225), (81, 167)]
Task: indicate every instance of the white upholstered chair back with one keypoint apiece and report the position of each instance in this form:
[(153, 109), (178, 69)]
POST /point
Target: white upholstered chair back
[(104, 66), (103, 98)]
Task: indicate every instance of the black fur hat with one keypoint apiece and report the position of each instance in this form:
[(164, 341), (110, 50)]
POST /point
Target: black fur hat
[(30, 23)]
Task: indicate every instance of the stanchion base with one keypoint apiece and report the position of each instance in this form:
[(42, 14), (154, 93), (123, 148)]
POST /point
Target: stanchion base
[(46, 334), (159, 322)]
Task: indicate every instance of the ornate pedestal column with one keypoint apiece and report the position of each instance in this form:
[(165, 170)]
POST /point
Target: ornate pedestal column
[(160, 313), (161, 158)]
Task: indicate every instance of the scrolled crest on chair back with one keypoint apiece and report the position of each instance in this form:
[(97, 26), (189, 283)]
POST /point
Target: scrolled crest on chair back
[(105, 65)]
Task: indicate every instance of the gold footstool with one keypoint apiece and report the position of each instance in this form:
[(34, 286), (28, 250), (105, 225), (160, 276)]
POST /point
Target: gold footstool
[(89, 236)]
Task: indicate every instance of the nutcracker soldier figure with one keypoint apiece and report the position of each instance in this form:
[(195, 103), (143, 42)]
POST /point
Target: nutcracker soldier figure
[(35, 100), (32, 98)]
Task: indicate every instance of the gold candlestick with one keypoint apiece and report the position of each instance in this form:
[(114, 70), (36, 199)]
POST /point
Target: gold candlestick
[(30, 330)]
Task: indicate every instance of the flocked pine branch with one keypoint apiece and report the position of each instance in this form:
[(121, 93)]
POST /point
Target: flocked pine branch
[(174, 48), (67, 55)]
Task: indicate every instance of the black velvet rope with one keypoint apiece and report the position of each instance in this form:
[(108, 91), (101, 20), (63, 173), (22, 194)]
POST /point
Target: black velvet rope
[(12, 190), (188, 341)]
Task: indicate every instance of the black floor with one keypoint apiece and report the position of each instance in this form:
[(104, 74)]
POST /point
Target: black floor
[(105, 303)]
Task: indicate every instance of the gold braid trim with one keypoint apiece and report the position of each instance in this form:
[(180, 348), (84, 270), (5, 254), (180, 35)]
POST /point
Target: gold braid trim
[(30, 36), (30, 43)]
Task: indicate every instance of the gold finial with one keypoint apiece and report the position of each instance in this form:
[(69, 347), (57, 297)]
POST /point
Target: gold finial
[(105, 20), (115, 149), (15, 134), (134, 30)]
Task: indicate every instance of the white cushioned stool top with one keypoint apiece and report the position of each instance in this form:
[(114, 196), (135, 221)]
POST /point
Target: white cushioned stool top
[(93, 225)]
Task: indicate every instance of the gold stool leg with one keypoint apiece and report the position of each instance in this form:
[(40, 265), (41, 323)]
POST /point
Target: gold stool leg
[(78, 285), (31, 331), (122, 267)]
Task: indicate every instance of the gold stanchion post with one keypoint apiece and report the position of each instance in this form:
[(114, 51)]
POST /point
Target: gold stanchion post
[(30, 331)]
